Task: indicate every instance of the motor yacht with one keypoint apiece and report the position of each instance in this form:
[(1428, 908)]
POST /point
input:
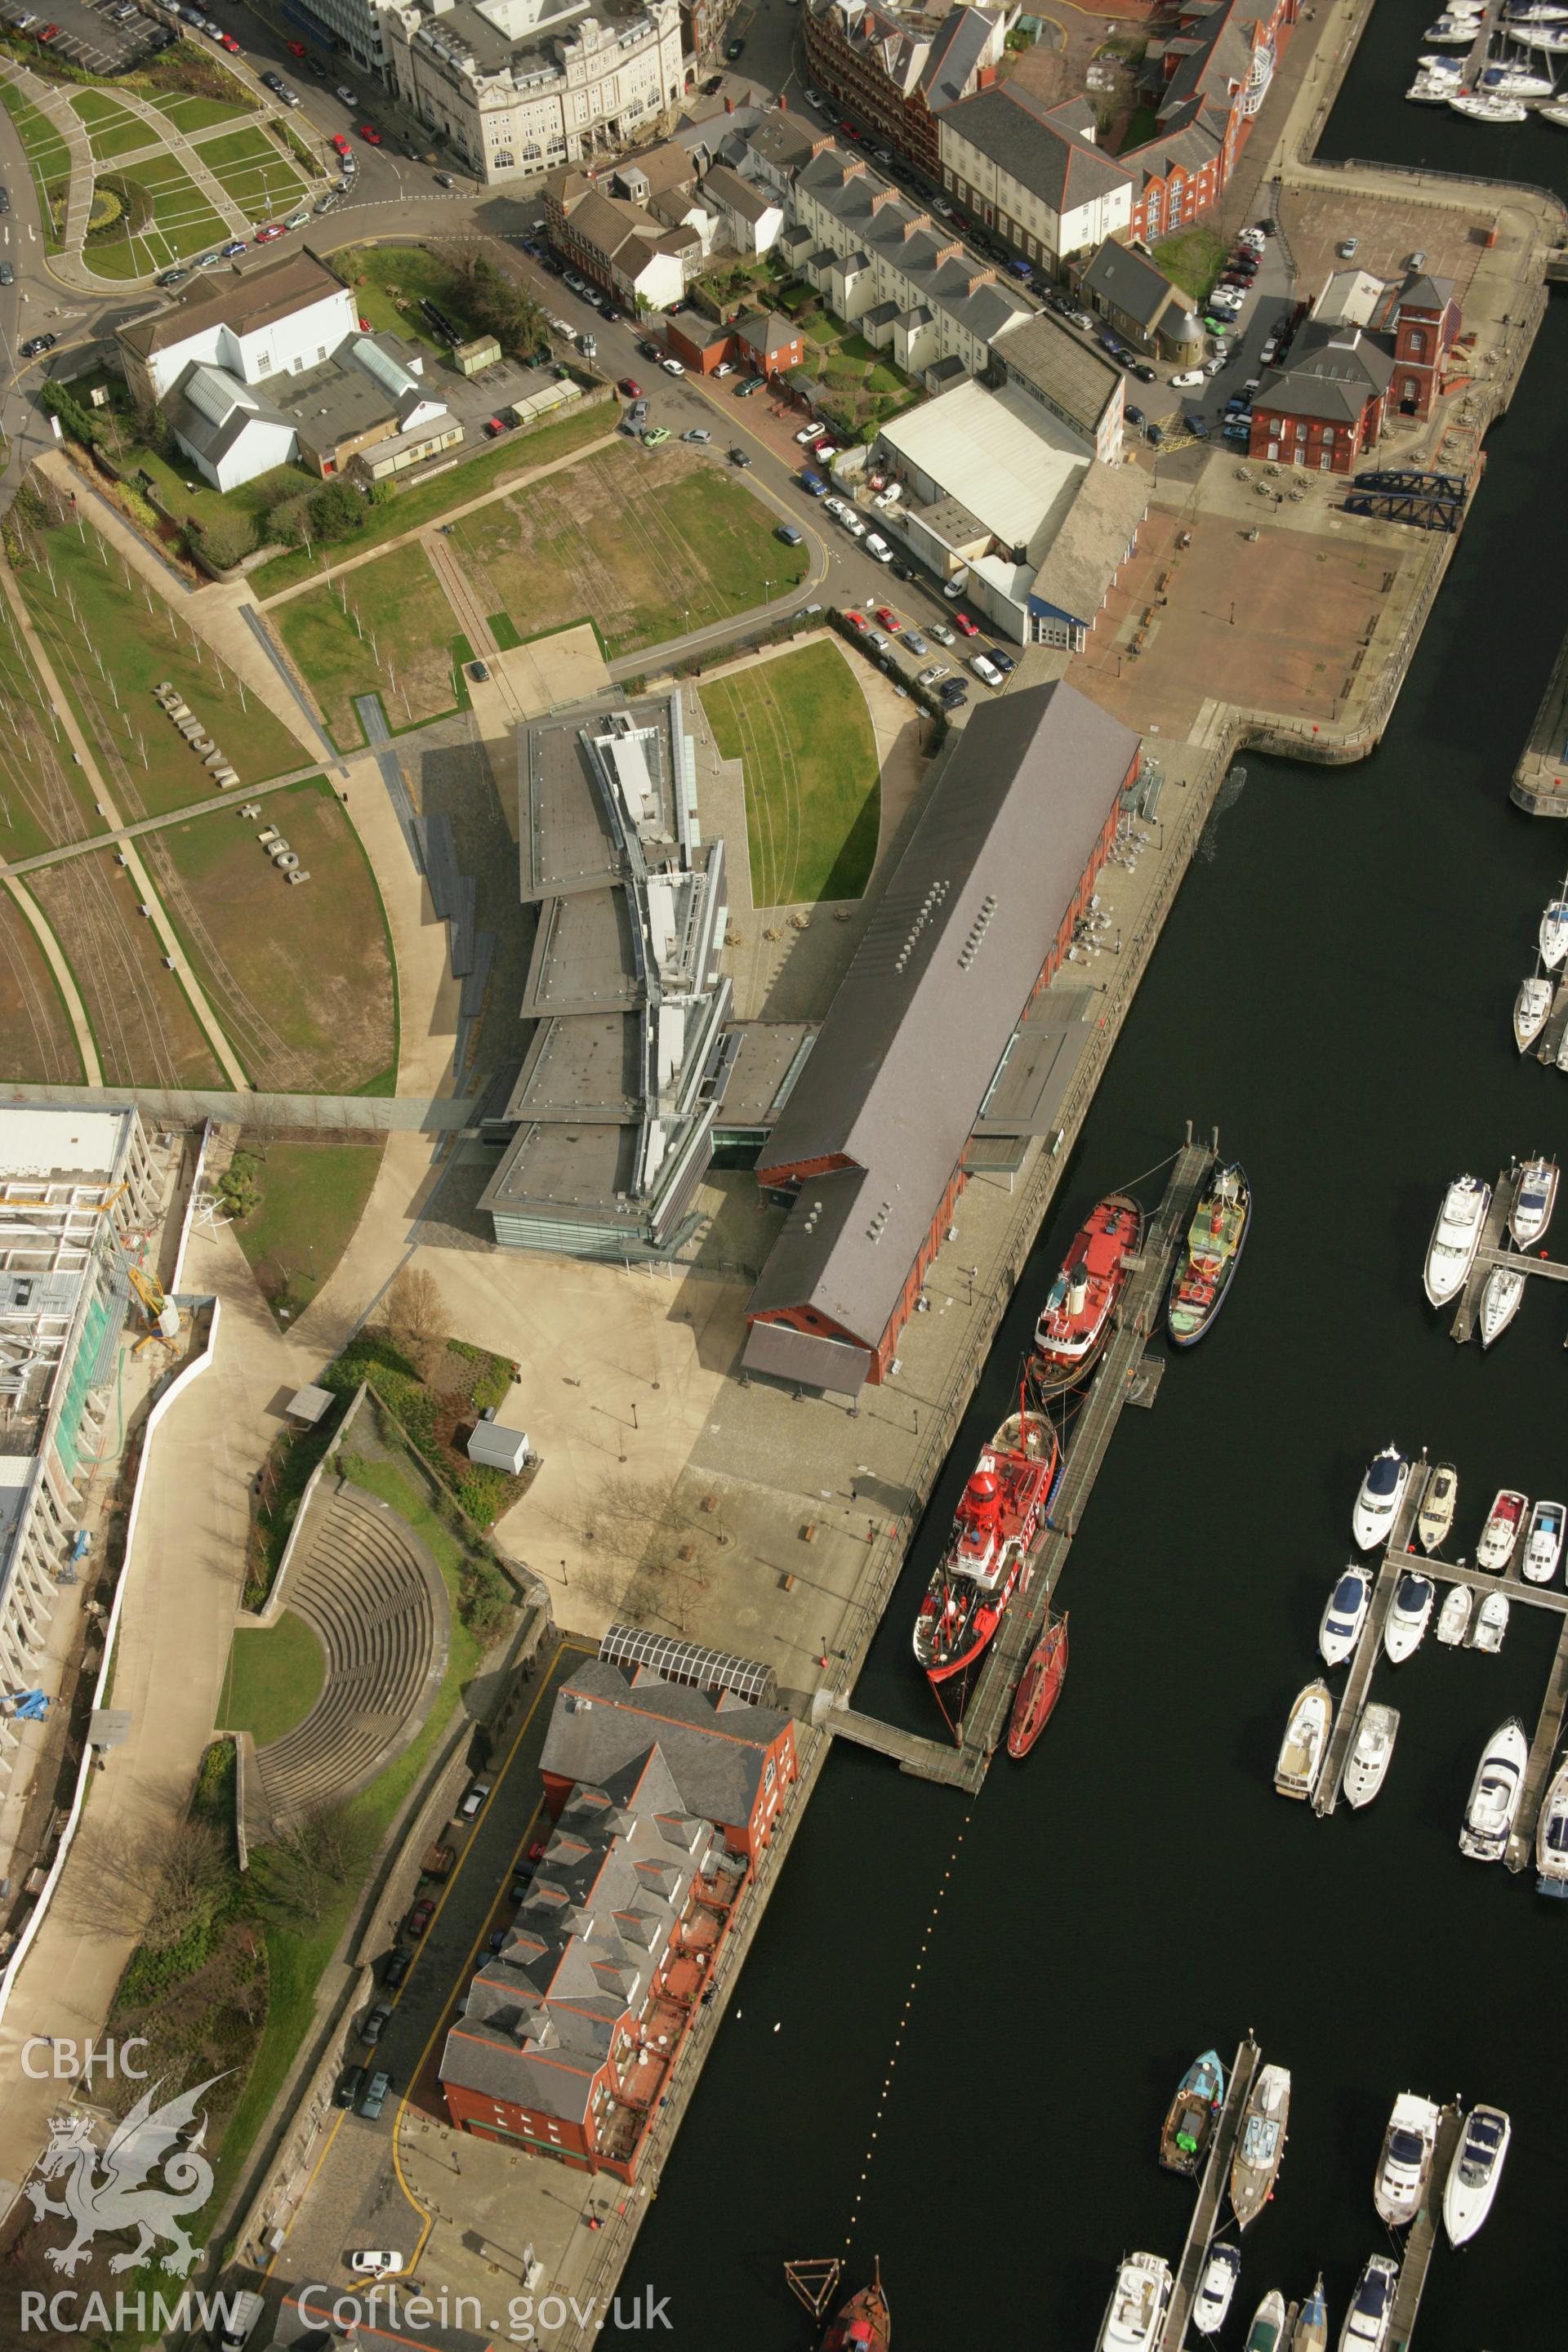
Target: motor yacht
[(1306, 1737), (1475, 2172), (1211, 2304), (1439, 1500), (1267, 2329), (1454, 1617), (1345, 1615), (1500, 1532), (1381, 1493), (1502, 1296), (1455, 1238), (1542, 1544), (1405, 1625), (1552, 1837), (1506, 80), (1495, 1794), (1408, 2146), (1372, 2306), (1534, 1002), (1491, 1625), (1552, 936), (1261, 2147), (1534, 1198), (1372, 1752), (1136, 2313), (1484, 106)]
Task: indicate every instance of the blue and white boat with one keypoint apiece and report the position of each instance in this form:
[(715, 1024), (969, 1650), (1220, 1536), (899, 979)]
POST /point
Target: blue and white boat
[(1310, 2333), (1381, 1493), (1534, 1198), (1190, 2119), (1475, 2172), (1552, 1837), (1406, 1621), (1553, 933), (1372, 2306), (1543, 1543), (1345, 1615), (1212, 2303)]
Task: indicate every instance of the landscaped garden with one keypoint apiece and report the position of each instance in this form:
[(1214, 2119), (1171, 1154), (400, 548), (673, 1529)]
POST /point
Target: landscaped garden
[(146, 216), (247, 165), (384, 629), (799, 725)]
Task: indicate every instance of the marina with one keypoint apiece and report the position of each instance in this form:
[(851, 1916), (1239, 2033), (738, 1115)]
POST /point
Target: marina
[(1424, 2229), (1491, 1254), (1211, 2195)]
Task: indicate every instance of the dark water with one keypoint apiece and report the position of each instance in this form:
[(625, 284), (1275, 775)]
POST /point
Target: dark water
[(1334, 989)]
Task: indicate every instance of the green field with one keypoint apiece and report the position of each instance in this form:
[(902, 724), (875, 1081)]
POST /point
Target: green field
[(188, 114), (300, 977), (799, 727), (143, 1022), (184, 492), (312, 1197), (390, 281), (273, 1679), (1191, 260), (111, 129), (89, 614), (183, 223), (247, 165), (647, 547), (384, 629), (411, 509)]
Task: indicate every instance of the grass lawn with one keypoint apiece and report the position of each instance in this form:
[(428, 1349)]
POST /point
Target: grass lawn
[(246, 163), (273, 1679), (645, 546), (412, 509), (36, 1040), (184, 493), (301, 979), (1191, 260), (183, 223), (390, 281), (111, 130), (800, 727), (1143, 124), (189, 114), (395, 639), (141, 644), (142, 1021), (312, 1197)]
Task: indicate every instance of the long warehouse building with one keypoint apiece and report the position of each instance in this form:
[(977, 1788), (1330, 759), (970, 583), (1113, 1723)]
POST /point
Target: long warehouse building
[(974, 922)]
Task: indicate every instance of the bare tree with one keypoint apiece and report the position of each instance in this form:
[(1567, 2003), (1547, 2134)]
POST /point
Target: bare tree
[(156, 1885), (415, 1319)]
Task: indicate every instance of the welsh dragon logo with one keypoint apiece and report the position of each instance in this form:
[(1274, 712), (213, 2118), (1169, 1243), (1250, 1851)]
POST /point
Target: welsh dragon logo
[(106, 2193)]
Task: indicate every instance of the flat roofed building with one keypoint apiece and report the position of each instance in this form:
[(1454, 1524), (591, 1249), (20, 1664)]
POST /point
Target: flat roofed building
[(1079, 386), (974, 922)]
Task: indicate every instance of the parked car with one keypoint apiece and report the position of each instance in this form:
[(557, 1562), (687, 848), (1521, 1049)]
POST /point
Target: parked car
[(629, 388), (297, 48), (852, 523), (987, 671), (478, 673), (790, 535), (349, 97), (725, 367), (376, 2094), (878, 548), (1186, 380), (742, 458), (474, 1798), (836, 508), (876, 641), (419, 1918), (933, 670), (914, 643), (807, 434), (953, 694), (168, 281), (7, 275), (733, 49), (1145, 372), (650, 351), (1000, 660), (672, 367), (370, 134), (370, 2264), (857, 621), (813, 484), (965, 626), (1348, 248), (232, 250), (265, 235), (351, 2083), (1134, 416), (699, 433), (657, 438), (888, 619), (1267, 355), (1211, 368), (494, 427), (340, 143), (375, 2023), (36, 345), (399, 1960)]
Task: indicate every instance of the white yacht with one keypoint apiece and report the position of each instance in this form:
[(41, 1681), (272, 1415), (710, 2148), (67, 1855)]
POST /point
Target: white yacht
[(1491, 1625), (1372, 2306), (1136, 2313), (1534, 1002), (1533, 12), (1475, 2172), (1211, 2304), (1456, 1237), (1449, 34), (1407, 1619), (1542, 1544), (1557, 114), (1381, 1493), (1552, 1837), (1439, 1500), (1534, 1198), (1430, 89), (1506, 80), (1445, 69), (1454, 1617), (1266, 2332), (1550, 40), (1260, 2150), (1345, 1614), (1306, 1737), (1495, 1794), (1408, 2146), (1501, 1532), (1482, 107), (1552, 936), (1372, 1752), (1563, 1049), (1502, 1296)]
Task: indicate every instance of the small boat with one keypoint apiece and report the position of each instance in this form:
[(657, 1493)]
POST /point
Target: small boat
[(1442, 68), (1501, 1533), (994, 1530), (1191, 2118), (1534, 1002), (1553, 933), (1491, 1625), (1040, 1688), (1211, 2304), (1454, 1617), (1501, 1299), (1552, 1837), (1372, 2306), (1078, 1315), (1561, 1056), (1480, 107), (1344, 1615), (1448, 34), (1429, 89), (1515, 81), (1455, 1238), (1405, 1625), (1371, 1754), (1136, 2313), (1262, 2144), (1408, 2146), (1542, 1544), (1310, 2333), (1381, 1493), (1495, 1794), (1306, 1737), (1268, 2328), (1475, 2172), (1534, 1198), (864, 2323), (1215, 1239), (1434, 1519), (1533, 12)]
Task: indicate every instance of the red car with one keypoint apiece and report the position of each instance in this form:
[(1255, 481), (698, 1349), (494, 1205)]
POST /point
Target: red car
[(890, 620), (629, 388), (495, 426), (48, 33), (227, 41), (342, 145), (297, 48), (265, 235), (857, 621), (961, 622), (419, 1918), (370, 134)]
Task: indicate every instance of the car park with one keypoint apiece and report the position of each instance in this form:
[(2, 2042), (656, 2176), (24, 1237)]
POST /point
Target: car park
[(1186, 380), (351, 2083), (657, 438), (374, 2095), (985, 670)]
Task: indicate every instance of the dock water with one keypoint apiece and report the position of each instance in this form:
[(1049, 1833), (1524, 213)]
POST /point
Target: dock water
[(1210, 2197), (1424, 2232)]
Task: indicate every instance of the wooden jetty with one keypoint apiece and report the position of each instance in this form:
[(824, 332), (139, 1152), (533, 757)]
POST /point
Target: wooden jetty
[(1124, 1378), (1210, 2197), (1481, 48), (1491, 1254), (1556, 1022), (1542, 1750), (1424, 2232), (1358, 1682)]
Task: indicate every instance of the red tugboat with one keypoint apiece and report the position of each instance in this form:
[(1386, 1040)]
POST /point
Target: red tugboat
[(997, 1519), (1075, 1322), (865, 2323), (1040, 1688)]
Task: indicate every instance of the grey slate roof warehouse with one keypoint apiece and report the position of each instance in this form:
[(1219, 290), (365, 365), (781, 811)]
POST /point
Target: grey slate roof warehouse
[(978, 910)]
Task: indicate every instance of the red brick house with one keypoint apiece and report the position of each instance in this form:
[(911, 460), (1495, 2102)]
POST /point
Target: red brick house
[(767, 343), (899, 79), (1342, 381), (1424, 321), (1213, 61)]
